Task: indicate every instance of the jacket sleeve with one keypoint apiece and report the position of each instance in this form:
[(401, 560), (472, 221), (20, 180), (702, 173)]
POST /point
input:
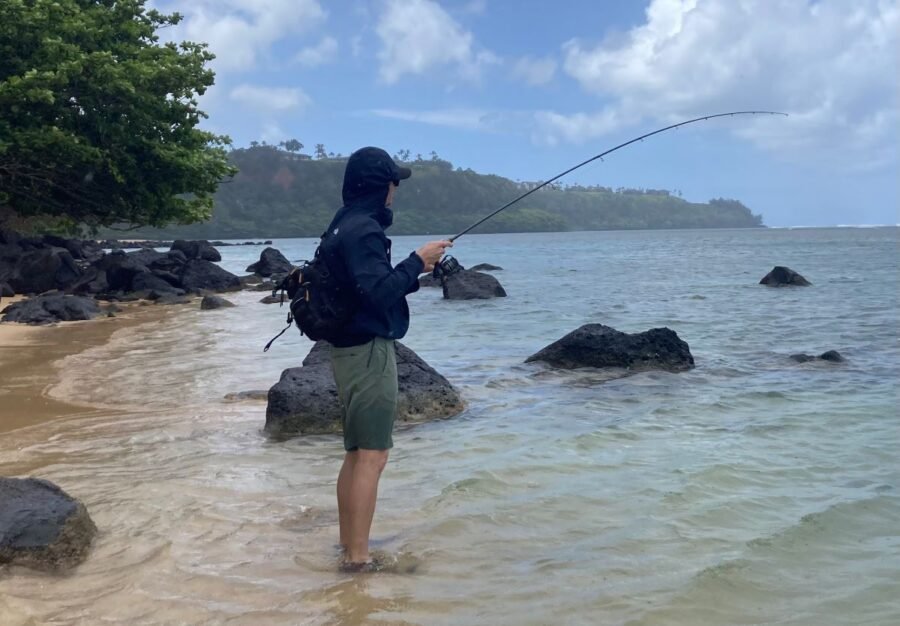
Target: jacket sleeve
[(380, 285)]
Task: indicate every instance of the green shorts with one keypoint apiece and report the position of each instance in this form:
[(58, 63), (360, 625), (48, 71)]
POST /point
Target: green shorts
[(366, 378)]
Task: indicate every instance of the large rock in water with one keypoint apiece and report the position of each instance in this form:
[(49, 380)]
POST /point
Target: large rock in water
[(781, 276), (596, 345), (305, 400), (41, 526), (52, 308), (471, 285), (271, 261)]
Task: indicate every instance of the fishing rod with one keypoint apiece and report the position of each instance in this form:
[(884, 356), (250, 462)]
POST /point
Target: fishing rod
[(449, 265)]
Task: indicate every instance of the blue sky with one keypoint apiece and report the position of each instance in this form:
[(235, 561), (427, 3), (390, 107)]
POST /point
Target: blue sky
[(526, 89)]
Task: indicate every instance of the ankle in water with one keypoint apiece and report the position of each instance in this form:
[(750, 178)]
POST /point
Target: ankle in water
[(364, 567)]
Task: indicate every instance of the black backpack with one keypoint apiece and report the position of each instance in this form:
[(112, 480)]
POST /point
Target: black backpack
[(320, 302)]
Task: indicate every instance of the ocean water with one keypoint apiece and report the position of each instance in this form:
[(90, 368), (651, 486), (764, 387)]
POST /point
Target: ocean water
[(750, 490)]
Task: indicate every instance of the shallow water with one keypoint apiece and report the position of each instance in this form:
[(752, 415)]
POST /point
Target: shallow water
[(749, 490)]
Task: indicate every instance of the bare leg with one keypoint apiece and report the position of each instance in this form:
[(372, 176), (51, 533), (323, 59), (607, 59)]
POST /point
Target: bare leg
[(360, 509), (343, 496)]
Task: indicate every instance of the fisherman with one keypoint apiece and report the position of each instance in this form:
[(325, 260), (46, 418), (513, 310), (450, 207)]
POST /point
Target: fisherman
[(363, 356)]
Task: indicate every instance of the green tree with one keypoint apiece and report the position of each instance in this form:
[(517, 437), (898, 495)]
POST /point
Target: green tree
[(98, 120), (291, 145)]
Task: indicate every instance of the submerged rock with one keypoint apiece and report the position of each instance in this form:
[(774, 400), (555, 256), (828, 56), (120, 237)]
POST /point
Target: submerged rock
[(471, 285), (253, 394), (832, 355), (596, 345), (49, 309), (41, 526), (209, 303), (781, 276), (305, 400), (486, 267)]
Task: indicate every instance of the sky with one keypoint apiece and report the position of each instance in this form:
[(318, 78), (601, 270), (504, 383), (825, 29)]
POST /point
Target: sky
[(526, 89)]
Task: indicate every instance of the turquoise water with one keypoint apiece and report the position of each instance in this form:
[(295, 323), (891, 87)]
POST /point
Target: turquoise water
[(750, 490)]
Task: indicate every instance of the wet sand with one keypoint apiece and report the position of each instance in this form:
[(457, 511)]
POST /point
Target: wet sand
[(28, 355)]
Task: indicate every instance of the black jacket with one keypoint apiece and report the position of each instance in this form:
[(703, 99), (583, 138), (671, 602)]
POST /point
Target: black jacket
[(359, 253)]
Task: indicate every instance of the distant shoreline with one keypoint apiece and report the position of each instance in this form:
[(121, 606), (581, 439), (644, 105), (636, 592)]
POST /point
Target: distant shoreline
[(243, 240)]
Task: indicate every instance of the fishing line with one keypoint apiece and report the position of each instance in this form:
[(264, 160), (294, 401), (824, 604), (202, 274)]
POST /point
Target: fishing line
[(600, 156)]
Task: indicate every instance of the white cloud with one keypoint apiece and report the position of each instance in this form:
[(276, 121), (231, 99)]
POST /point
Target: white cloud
[(239, 32), (270, 99), (833, 65), (418, 35), (535, 71), (552, 128), (466, 119), (323, 52), (475, 7)]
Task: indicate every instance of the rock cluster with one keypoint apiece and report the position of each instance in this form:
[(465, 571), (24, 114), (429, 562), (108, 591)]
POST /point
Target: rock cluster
[(37, 265), (34, 265)]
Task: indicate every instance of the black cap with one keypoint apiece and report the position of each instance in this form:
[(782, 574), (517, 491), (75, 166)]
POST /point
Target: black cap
[(371, 169)]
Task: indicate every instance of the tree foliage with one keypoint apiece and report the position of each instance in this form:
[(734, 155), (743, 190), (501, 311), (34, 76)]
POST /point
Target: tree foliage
[(279, 194), (98, 119)]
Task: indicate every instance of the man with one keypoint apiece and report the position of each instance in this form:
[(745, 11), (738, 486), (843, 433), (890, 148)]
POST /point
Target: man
[(363, 357)]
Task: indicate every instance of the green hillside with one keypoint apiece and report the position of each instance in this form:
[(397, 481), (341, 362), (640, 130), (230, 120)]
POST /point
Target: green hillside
[(285, 194)]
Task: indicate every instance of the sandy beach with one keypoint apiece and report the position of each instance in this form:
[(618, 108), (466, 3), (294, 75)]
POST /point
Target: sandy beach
[(28, 355)]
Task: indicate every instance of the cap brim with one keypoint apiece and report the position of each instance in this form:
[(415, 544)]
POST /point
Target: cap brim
[(403, 173)]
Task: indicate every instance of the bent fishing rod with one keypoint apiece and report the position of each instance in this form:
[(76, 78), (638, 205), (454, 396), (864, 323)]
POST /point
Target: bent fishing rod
[(600, 156)]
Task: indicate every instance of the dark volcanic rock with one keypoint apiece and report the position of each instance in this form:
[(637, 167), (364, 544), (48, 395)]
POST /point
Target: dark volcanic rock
[(92, 282), (199, 249), (485, 267), (120, 270), (274, 299), (781, 276), (596, 345), (173, 261), (42, 269), (41, 526), (147, 256), (209, 303), (150, 282), (832, 355), (305, 400), (471, 285), (199, 274), (428, 280), (6, 291), (48, 309), (271, 261)]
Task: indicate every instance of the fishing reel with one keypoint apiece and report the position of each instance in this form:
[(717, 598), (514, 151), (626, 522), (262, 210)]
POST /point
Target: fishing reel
[(447, 267)]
